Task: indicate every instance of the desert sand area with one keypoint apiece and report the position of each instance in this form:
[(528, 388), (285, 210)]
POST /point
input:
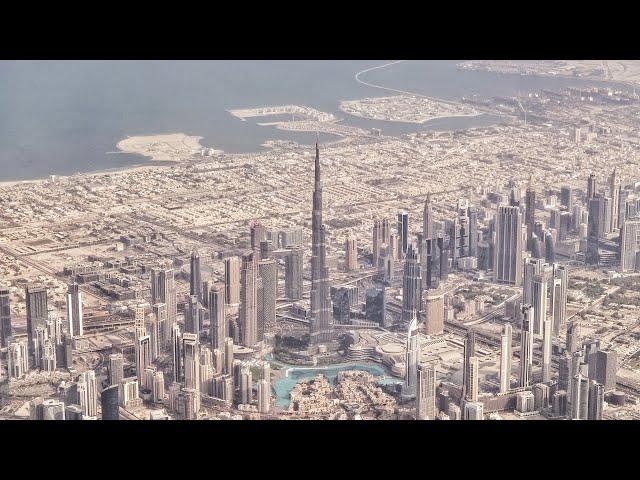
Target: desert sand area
[(172, 147)]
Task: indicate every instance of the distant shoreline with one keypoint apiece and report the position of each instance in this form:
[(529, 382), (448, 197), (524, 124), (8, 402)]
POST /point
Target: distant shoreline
[(156, 155), (415, 122), (610, 82), (124, 169), (141, 145)]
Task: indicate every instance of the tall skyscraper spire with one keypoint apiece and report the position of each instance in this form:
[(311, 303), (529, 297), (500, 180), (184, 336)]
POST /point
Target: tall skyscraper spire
[(320, 324), (317, 170)]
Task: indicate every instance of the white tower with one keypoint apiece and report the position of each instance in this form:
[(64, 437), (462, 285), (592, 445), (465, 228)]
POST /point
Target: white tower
[(505, 358)]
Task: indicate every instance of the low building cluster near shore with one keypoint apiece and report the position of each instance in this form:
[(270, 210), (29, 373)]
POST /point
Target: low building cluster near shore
[(405, 108)]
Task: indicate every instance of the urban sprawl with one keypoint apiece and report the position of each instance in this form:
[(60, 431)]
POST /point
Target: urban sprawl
[(487, 273)]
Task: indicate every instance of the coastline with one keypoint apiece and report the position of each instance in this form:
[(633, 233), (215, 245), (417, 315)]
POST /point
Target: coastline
[(612, 83), (165, 150), (130, 168), (149, 164), (133, 145), (415, 122), (141, 145)]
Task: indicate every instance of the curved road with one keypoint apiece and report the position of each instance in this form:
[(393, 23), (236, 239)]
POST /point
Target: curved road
[(357, 78), (404, 92)]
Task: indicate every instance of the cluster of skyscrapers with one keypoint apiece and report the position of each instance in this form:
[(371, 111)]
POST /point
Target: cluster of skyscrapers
[(512, 247), (585, 373)]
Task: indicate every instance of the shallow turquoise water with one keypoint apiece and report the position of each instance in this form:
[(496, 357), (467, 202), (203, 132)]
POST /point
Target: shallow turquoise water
[(283, 386)]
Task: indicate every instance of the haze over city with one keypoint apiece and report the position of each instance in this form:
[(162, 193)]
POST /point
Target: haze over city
[(319, 240)]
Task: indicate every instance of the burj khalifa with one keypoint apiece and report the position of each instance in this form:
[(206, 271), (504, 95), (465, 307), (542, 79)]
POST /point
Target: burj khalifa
[(320, 324)]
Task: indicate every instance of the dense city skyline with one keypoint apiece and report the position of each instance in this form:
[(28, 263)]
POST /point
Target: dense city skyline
[(479, 274)]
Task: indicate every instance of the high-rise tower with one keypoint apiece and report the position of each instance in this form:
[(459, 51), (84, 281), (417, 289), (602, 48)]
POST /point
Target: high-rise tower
[(37, 314), (5, 318), (351, 253), (539, 299), (192, 320), (320, 324), (109, 403), (559, 296), (426, 391), (248, 315), (232, 280), (473, 380), (403, 231), (412, 358), (293, 267), (217, 317), (427, 219), (630, 245), (508, 250), (594, 229), (143, 356), (195, 280), (623, 205), (377, 242), (88, 394), (530, 212), (116, 368), (411, 283), (464, 231), (430, 263), (386, 231), (566, 197), (264, 388), (468, 353), (526, 346), (505, 358), (532, 267), (163, 290), (258, 234), (268, 272), (591, 187), (547, 334)]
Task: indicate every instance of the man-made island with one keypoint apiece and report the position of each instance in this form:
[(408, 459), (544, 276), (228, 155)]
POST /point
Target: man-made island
[(301, 119), (174, 147), (405, 108)]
